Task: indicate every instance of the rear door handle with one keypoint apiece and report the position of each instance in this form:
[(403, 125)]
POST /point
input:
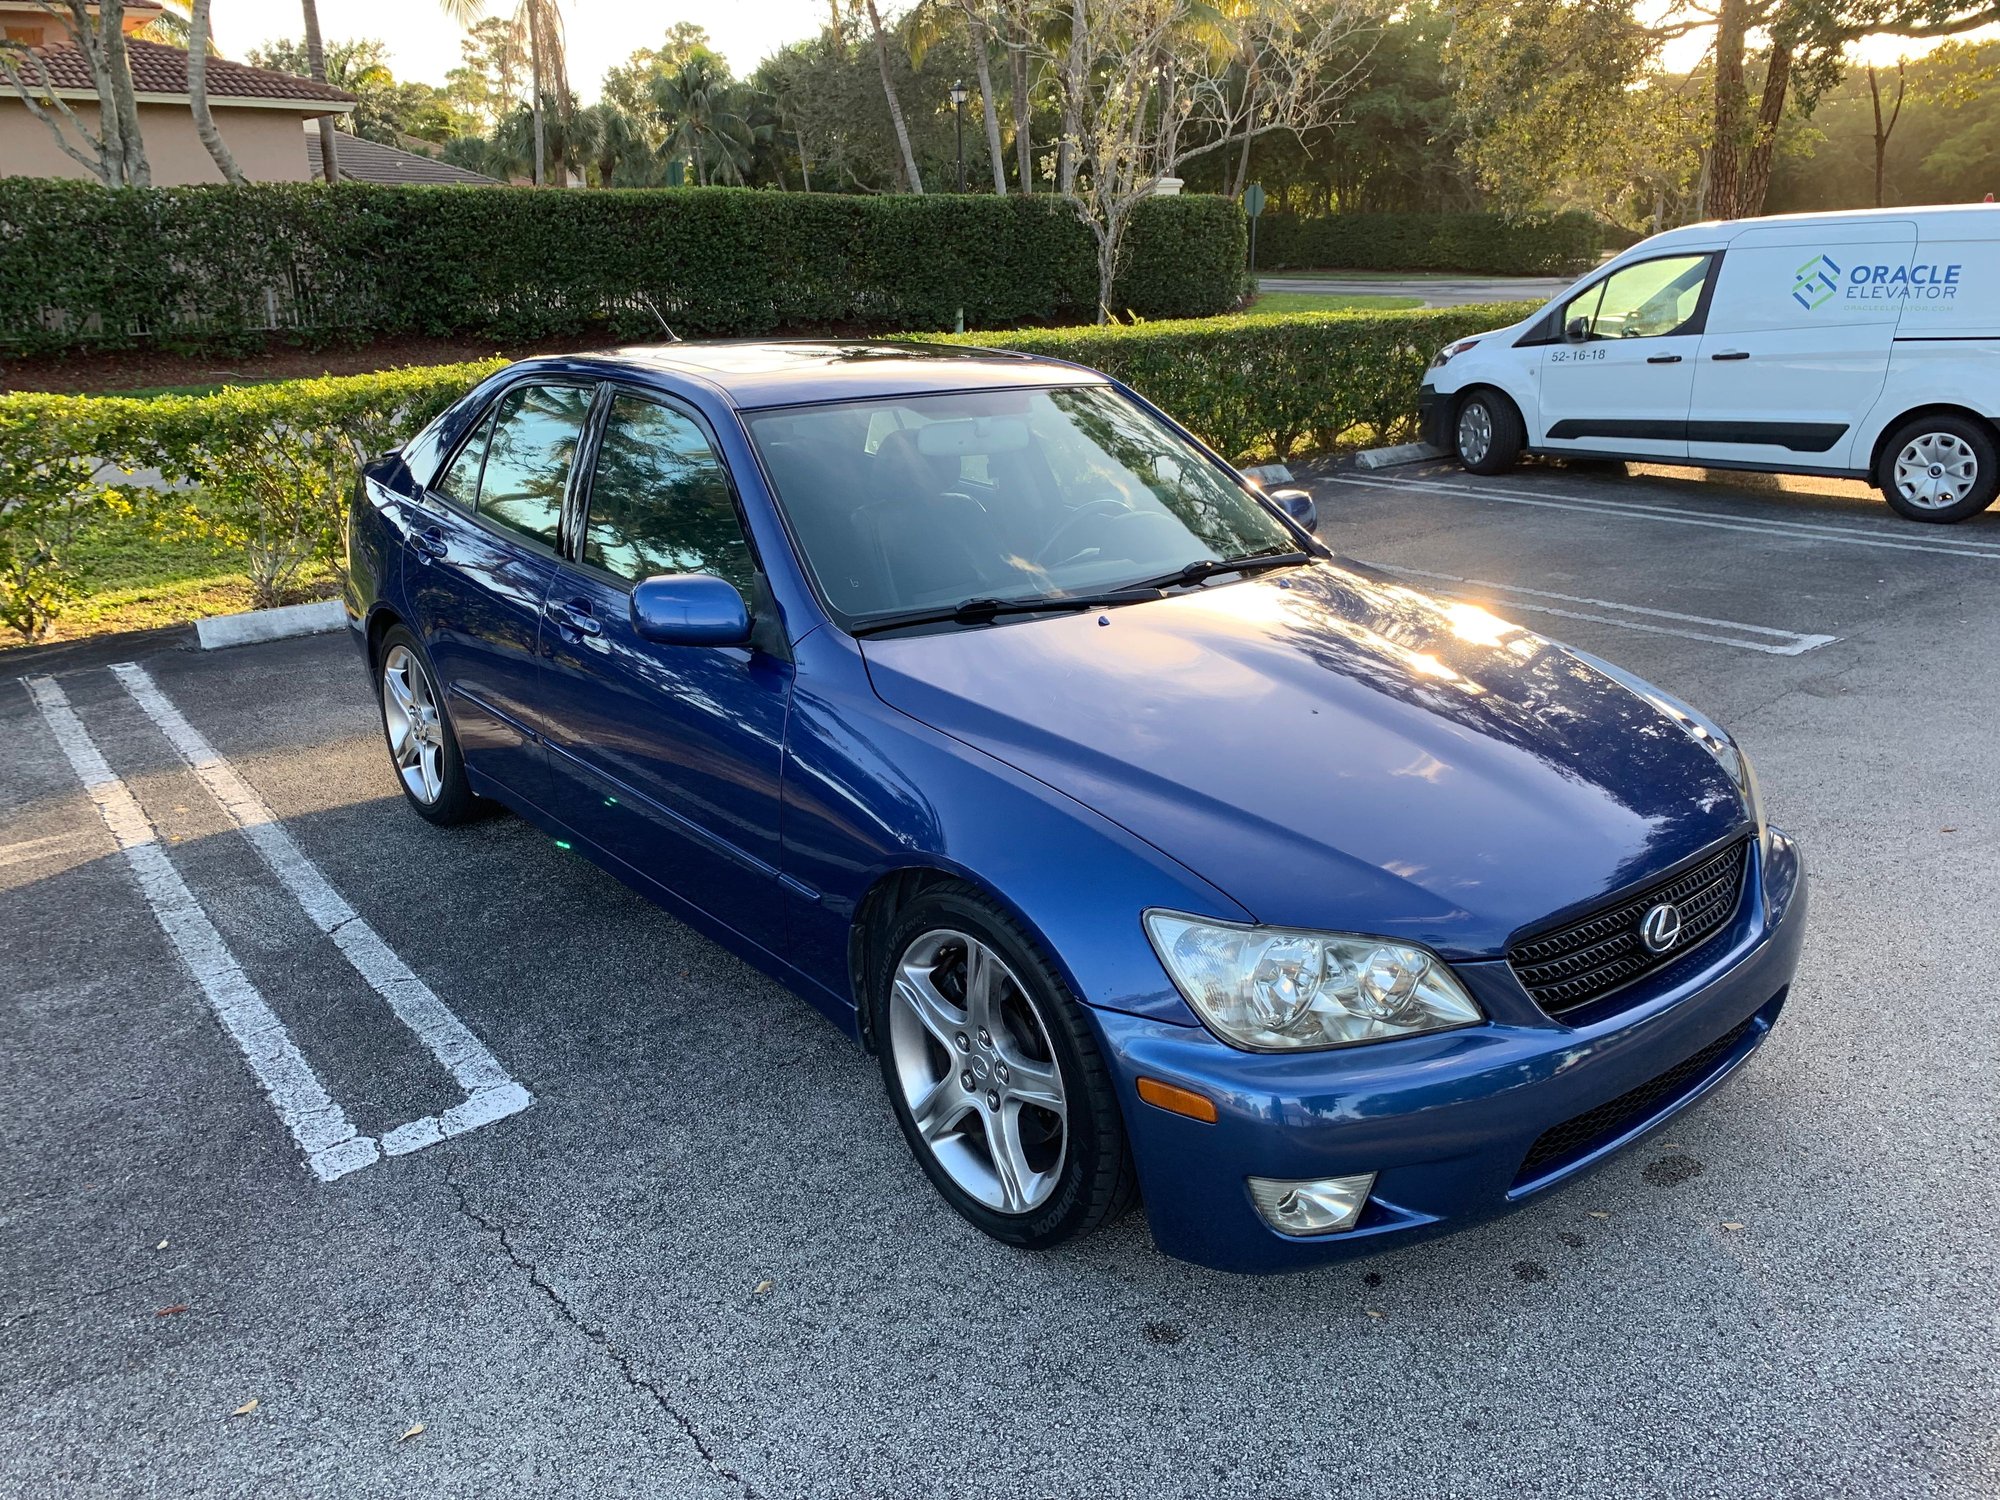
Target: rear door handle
[(430, 543), (575, 615), (1663, 359), (1732, 354)]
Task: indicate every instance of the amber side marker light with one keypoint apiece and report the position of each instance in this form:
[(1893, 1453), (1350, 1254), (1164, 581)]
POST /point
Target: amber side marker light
[(1177, 1101)]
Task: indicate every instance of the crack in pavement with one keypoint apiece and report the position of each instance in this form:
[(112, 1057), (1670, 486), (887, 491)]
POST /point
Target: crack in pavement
[(620, 1361)]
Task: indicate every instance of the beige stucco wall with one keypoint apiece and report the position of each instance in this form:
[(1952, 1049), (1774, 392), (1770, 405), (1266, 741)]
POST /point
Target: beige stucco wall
[(269, 144)]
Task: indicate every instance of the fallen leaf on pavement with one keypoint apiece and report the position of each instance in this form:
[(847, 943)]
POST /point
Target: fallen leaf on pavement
[(168, 1312), (161, 1246), (416, 1431), (760, 1288), (1371, 1312), (1599, 1214), (1728, 1224), (246, 1408), (1949, 829)]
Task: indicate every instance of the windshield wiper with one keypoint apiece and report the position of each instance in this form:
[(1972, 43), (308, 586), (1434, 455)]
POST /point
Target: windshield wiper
[(1209, 567), (977, 611)]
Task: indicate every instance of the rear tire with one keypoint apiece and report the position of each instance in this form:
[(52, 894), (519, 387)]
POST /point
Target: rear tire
[(1020, 1128), (1940, 468), (1487, 432)]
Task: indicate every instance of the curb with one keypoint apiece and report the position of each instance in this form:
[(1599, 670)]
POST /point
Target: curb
[(1401, 453), (270, 624)]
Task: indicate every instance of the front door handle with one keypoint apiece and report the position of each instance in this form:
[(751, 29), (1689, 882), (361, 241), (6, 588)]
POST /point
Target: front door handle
[(430, 543), (1732, 354), (1663, 359), (575, 615)]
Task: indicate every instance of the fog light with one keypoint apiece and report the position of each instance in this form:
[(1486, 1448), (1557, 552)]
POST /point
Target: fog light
[(1320, 1205)]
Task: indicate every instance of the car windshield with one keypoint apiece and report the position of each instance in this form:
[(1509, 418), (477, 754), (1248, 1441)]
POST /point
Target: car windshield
[(912, 504)]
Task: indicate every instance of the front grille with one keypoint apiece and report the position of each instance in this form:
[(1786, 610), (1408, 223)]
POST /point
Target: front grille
[(1589, 959), (1576, 1136)]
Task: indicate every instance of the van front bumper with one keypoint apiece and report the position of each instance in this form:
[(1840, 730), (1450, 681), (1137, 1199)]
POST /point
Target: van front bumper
[(1447, 1122)]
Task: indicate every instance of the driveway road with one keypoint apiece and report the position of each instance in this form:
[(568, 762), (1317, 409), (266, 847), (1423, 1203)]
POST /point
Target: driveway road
[(699, 1261)]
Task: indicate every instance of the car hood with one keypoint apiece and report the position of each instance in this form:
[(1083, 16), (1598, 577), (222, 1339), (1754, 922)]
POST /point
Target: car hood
[(1335, 750)]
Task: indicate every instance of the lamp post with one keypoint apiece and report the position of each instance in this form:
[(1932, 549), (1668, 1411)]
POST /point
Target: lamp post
[(958, 95)]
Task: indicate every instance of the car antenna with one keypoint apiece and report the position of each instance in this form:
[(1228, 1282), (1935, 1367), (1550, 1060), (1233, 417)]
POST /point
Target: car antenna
[(651, 307)]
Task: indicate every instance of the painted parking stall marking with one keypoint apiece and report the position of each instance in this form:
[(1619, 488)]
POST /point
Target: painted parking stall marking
[(1828, 533), (332, 1146), (1735, 633)]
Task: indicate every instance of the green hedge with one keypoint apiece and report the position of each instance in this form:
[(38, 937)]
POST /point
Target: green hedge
[(1478, 244), (266, 469), (217, 267), (1272, 386)]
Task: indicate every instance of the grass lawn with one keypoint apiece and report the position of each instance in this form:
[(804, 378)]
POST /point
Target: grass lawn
[(1301, 302), (136, 576)]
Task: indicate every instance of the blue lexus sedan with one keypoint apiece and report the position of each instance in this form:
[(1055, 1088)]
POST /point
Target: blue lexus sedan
[(1157, 854)]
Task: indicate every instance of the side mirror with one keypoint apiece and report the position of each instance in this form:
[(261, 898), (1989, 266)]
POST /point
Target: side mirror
[(1299, 506), (690, 609), (1577, 330)]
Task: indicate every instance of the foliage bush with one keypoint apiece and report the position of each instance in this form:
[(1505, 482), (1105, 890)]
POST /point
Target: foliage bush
[(272, 466), (217, 267), (1478, 244), (1272, 386)]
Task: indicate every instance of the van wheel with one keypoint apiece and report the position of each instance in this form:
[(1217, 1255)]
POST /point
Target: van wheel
[(1939, 468), (1488, 433)]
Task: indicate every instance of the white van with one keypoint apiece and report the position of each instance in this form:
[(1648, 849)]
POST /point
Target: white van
[(1865, 345)]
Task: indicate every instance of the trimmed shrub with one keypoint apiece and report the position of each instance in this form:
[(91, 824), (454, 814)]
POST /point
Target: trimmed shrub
[(1272, 386), (1478, 244), (272, 466), (217, 267)]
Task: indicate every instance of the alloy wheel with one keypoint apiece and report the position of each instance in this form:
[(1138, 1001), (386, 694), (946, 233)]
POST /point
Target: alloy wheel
[(1936, 470), (416, 729), (1475, 432), (972, 1058)]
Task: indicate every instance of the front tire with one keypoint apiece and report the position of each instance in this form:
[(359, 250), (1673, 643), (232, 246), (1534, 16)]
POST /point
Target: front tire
[(1487, 433), (423, 750), (1942, 468), (994, 1077)]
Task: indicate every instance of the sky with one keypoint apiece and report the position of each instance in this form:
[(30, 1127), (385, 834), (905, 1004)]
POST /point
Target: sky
[(423, 45)]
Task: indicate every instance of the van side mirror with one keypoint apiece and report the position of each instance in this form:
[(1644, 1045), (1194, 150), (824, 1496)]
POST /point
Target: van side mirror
[(1299, 506), (1577, 330), (690, 609)]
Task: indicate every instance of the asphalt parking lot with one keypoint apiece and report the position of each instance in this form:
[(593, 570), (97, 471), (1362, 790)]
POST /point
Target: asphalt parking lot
[(640, 1223)]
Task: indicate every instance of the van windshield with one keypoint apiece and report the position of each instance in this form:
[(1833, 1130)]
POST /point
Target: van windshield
[(910, 503)]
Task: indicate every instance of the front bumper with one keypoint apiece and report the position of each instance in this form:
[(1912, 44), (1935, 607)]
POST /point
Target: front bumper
[(1447, 1121), (1432, 409)]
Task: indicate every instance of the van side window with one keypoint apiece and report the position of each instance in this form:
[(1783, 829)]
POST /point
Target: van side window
[(1644, 301)]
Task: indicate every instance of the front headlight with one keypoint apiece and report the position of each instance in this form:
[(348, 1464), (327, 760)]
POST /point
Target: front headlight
[(1271, 989), (1450, 352)]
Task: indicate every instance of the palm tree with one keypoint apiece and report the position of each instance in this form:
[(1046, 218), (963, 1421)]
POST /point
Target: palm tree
[(542, 21), (707, 118), (316, 64), (915, 183)]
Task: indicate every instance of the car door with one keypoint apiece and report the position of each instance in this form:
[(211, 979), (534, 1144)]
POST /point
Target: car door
[(482, 555), (1618, 371), (667, 757), (1798, 341)]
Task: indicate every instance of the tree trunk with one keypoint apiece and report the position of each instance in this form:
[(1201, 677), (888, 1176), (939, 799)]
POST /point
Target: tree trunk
[(1882, 131), (204, 117), (1024, 119), (914, 182), (1725, 144), (1756, 180), (1250, 82), (1073, 85), (316, 66), (535, 69), (975, 29), (805, 166), (124, 109)]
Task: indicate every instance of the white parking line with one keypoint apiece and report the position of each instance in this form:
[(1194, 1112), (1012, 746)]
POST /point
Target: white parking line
[(332, 1145), (1781, 642), (1802, 531), (490, 1093)]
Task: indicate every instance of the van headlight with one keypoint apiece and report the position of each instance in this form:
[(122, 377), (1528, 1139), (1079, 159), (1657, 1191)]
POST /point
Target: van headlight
[(1281, 989), (1450, 352)]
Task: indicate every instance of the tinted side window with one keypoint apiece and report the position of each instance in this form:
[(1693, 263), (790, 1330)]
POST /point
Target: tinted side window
[(460, 483), (660, 501), (535, 434), (1647, 300)]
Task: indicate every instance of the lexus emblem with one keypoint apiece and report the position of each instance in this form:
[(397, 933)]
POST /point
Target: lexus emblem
[(1660, 928)]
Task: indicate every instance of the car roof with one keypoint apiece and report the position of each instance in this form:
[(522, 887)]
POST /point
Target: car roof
[(1973, 220), (752, 373)]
